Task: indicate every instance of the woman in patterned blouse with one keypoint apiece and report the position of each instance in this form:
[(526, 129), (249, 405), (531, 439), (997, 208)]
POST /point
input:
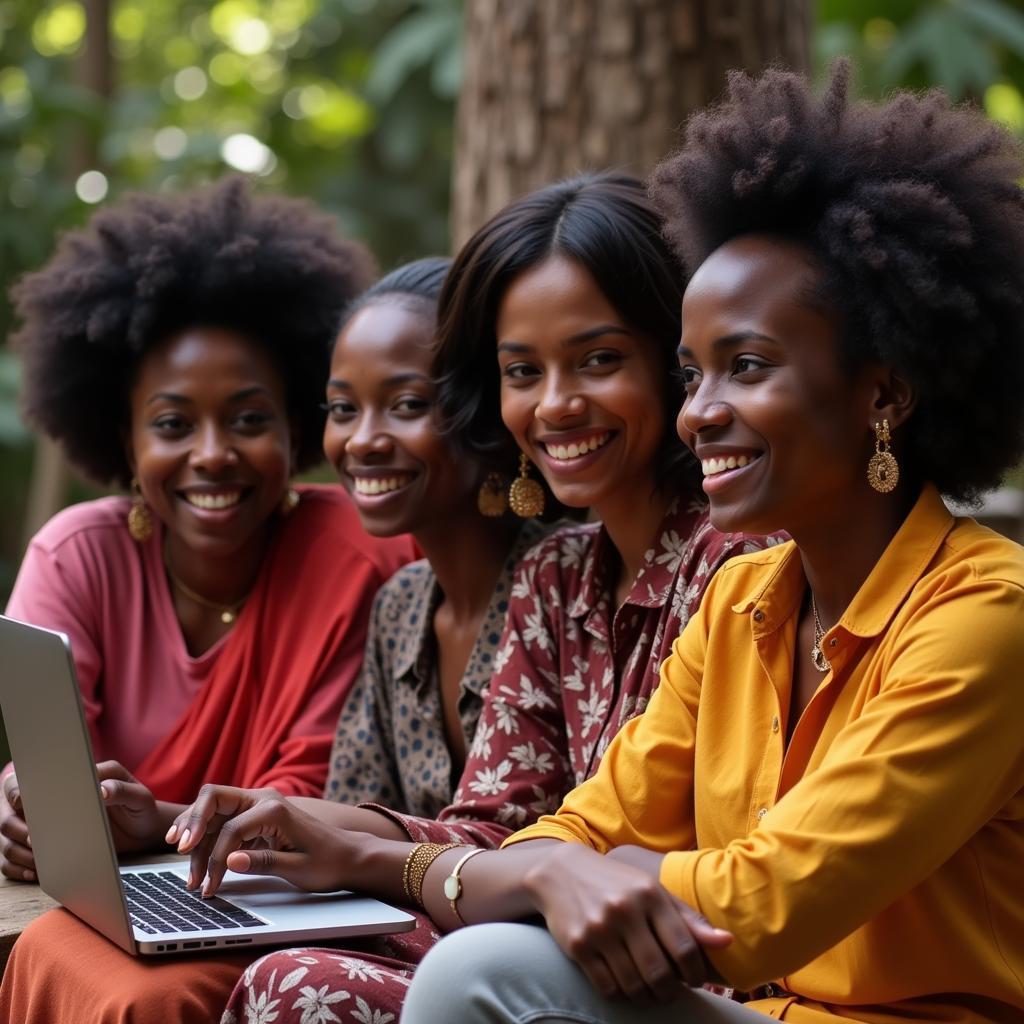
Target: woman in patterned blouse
[(560, 317)]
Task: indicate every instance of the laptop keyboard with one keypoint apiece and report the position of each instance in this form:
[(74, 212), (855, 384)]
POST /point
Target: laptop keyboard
[(159, 902)]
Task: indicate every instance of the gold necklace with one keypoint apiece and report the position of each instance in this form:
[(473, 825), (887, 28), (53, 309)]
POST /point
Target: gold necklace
[(818, 659), (228, 613)]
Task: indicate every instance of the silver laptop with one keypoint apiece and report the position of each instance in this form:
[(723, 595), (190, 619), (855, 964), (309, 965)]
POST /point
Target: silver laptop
[(144, 909)]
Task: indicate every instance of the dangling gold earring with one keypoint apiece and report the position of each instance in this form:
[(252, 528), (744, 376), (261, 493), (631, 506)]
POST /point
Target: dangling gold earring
[(883, 469), (289, 501), (525, 496), (490, 499), (140, 522)]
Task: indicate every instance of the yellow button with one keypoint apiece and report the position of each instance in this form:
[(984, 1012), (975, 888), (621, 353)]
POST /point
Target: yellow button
[(761, 813), (834, 642), (759, 615), (775, 724)]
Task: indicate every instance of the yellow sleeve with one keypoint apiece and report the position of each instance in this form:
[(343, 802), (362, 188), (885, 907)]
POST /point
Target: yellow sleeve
[(931, 759), (642, 793)]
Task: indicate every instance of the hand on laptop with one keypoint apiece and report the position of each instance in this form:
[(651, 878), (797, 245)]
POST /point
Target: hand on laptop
[(16, 859), (258, 831), (137, 819)]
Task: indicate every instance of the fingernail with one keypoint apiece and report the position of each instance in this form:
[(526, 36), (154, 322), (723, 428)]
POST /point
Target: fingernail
[(171, 833), (28, 841), (189, 883), (30, 876), (183, 841), (103, 791)]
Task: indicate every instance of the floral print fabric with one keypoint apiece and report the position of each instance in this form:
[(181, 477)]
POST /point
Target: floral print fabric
[(569, 672), (390, 741)]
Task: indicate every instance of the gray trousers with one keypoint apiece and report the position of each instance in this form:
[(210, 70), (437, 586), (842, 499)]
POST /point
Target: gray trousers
[(516, 974)]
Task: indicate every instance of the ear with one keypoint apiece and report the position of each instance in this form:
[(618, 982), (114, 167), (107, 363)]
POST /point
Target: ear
[(893, 398)]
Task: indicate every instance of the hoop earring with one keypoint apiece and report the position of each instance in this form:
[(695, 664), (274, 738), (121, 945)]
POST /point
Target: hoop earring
[(490, 499), (289, 501), (140, 522), (883, 469), (525, 496)]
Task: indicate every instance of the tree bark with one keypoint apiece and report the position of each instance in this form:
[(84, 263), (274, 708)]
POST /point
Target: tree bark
[(553, 87)]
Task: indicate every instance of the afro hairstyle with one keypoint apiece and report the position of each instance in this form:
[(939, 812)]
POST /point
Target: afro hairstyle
[(271, 268), (913, 212)]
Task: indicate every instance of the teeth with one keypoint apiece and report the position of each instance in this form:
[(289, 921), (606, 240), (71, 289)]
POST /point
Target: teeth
[(720, 465), (214, 500), (380, 485), (577, 448)]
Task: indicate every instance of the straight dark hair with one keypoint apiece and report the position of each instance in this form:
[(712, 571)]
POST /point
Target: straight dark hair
[(605, 223)]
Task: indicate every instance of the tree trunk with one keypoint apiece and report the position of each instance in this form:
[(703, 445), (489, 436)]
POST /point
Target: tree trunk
[(553, 87), (48, 486)]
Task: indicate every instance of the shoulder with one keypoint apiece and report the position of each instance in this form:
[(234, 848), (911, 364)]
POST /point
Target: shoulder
[(566, 548), (688, 528), (976, 551), (98, 524), (406, 589)]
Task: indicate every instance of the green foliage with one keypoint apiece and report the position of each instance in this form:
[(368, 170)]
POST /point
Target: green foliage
[(350, 102)]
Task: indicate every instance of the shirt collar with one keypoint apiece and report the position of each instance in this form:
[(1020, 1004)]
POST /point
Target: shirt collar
[(412, 659), (902, 564), (656, 579)]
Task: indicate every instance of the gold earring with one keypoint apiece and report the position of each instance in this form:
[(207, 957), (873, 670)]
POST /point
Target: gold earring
[(289, 501), (883, 469), (525, 496), (140, 522), (491, 499)]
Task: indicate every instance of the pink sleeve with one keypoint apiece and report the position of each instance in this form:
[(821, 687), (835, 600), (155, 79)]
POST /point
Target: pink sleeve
[(517, 768), (52, 591)]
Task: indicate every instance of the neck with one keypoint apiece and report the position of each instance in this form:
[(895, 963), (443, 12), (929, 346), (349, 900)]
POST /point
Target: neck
[(631, 523), (466, 553), (839, 552), (220, 579)]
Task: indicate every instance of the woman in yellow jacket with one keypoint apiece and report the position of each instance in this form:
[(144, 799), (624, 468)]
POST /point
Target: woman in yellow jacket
[(823, 805)]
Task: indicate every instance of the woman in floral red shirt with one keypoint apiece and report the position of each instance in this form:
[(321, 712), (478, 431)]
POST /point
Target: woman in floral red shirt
[(562, 312)]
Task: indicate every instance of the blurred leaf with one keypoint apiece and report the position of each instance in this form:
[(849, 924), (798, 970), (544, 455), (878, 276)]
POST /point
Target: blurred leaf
[(416, 41), (999, 21)]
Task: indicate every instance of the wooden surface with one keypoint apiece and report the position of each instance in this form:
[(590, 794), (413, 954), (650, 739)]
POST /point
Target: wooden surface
[(21, 904)]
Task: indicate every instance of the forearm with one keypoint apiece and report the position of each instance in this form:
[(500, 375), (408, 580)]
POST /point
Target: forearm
[(354, 819)]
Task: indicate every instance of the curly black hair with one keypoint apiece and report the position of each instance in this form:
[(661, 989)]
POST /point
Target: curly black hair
[(271, 268), (606, 223), (913, 212)]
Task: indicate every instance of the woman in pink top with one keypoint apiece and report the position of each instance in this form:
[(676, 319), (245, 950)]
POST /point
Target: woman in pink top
[(178, 346)]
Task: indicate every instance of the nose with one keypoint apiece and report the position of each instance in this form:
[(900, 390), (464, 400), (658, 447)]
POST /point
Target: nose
[(212, 451), (367, 438), (559, 401), (703, 409)]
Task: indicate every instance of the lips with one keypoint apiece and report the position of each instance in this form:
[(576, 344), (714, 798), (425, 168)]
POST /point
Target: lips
[(213, 501), (562, 452), (716, 464), (375, 485)]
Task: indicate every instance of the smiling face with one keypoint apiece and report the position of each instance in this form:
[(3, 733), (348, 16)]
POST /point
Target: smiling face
[(382, 434), (780, 425), (580, 389), (210, 439)]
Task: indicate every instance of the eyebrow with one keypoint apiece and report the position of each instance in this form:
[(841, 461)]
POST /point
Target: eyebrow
[(238, 396), (395, 381), (573, 340), (731, 341)]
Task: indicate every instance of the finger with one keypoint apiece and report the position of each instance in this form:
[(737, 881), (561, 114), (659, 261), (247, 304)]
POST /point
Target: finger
[(655, 967), (679, 944), (703, 930), (14, 828), (599, 973), (16, 853), (12, 792), (212, 801), (131, 795), (16, 873), (257, 822), (114, 770), (290, 865)]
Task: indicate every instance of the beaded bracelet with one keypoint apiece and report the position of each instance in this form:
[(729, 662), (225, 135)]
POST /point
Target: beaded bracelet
[(415, 870)]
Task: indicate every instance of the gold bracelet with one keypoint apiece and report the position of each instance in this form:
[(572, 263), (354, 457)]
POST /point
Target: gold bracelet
[(453, 883), (405, 874), (422, 856)]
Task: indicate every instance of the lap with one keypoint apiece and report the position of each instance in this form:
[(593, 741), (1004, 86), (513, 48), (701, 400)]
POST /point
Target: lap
[(517, 973), (61, 970)]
